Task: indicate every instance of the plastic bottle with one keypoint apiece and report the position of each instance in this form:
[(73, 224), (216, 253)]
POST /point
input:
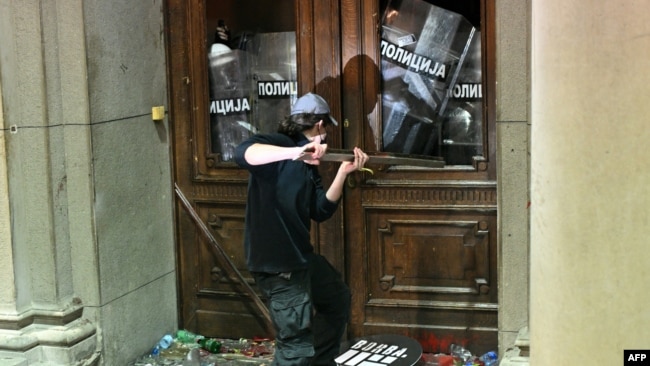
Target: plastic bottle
[(460, 352), (490, 358), (193, 358), (185, 336), (162, 344), (211, 345), (155, 352), (165, 342)]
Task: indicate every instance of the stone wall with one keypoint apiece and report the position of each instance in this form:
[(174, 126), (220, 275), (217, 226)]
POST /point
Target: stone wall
[(86, 227)]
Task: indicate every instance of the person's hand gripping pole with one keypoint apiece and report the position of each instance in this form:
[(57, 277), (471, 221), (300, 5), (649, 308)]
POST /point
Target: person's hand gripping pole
[(315, 149)]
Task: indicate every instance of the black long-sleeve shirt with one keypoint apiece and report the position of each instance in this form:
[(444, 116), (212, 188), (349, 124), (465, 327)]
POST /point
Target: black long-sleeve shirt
[(283, 198)]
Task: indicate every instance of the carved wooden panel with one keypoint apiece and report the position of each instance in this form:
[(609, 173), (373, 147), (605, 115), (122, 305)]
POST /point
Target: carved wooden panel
[(429, 193), (226, 223), (223, 307), (423, 257), (430, 264)]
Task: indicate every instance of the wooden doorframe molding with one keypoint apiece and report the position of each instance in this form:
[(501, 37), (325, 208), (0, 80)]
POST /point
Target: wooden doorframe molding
[(318, 49), (318, 41)]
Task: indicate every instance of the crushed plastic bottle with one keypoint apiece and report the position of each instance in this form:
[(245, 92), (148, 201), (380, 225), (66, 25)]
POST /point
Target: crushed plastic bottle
[(193, 358), (461, 353), (249, 352), (185, 336), (490, 358)]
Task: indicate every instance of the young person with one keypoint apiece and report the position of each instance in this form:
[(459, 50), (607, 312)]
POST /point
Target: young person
[(308, 301)]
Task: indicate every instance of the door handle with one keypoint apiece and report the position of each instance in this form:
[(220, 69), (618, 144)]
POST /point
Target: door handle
[(352, 178)]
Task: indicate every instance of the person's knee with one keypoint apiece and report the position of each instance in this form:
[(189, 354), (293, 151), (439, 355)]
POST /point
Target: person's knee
[(343, 304)]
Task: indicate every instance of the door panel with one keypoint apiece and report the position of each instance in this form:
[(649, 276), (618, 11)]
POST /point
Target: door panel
[(430, 272), (427, 255), (221, 301), (212, 302), (425, 264), (421, 249)]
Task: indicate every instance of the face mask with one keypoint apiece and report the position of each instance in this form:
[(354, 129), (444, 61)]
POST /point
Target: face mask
[(323, 136)]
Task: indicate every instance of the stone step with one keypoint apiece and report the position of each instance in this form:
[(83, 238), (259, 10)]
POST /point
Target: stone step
[(523, 342), (519, 354), (10, 361)]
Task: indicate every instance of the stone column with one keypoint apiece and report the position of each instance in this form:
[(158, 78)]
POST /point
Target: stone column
[(48, 268), (590, 210), (7, 290)]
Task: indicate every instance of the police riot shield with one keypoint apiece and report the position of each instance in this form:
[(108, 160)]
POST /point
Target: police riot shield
[(273, 76), (426, 54), (252, 87), (230, 110)]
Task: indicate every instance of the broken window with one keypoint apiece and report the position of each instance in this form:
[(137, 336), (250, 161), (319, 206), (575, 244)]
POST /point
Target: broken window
[(431, 82)]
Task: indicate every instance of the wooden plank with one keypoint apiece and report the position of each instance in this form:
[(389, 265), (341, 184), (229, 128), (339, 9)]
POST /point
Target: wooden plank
[(380, 158)]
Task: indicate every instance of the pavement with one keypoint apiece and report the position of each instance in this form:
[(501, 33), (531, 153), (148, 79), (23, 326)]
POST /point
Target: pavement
[(241, 352)]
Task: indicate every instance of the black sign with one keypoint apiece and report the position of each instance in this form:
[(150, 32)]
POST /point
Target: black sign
[(636, 357), (380, 350)]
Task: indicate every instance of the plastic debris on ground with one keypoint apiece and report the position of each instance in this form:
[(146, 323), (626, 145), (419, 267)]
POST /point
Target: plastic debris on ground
[(459, 356), (184, 351), (189, 349)]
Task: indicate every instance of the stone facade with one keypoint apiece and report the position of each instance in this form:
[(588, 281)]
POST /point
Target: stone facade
[(86, 227)]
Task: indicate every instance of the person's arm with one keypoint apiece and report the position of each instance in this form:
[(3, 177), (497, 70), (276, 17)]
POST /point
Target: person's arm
[(259, 154), (336, 188)]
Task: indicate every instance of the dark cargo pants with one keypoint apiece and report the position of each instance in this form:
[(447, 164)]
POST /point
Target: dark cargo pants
[(310, 310)]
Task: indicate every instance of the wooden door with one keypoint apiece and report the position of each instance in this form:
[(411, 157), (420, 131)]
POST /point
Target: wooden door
[(212, 301), (421, 243), (416, 245)]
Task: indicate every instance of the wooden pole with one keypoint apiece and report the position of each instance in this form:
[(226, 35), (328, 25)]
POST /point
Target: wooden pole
[(222, 256)]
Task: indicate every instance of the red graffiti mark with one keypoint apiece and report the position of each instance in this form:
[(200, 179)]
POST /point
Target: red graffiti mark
[(528, 205), (432, 343)]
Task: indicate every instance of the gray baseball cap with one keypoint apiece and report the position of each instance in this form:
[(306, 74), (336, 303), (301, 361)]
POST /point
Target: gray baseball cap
[(313, 104)]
